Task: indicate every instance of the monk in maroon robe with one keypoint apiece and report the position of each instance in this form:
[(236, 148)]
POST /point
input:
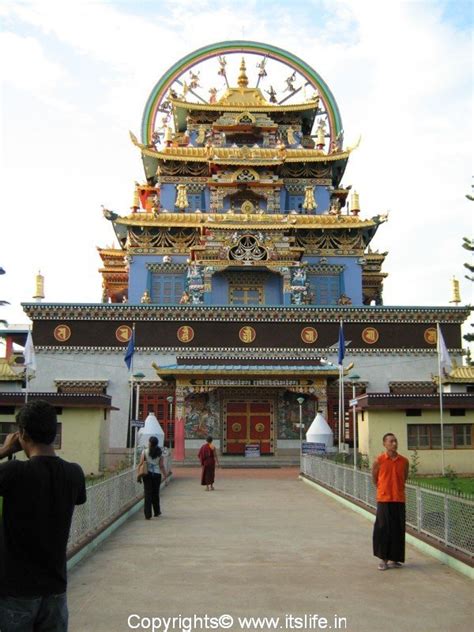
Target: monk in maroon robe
[(208, 457)]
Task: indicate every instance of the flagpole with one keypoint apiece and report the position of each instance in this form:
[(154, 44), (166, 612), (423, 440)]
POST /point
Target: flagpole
[(339, 412), (441, 415), (340, 360), (26, 389), (30, 361), (130, 373), (343, 420)]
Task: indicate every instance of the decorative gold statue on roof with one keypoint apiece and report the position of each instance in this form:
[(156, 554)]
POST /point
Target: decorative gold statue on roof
[(309, 203), (272, 94), (290, 134), (182, 197), (145, 299)]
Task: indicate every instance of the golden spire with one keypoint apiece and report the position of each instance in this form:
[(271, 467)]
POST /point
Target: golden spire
[(456, 296), (243, 80), (39, 294), (355, 204)]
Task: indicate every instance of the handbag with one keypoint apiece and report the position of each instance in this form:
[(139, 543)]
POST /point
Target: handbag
[(142, 469)]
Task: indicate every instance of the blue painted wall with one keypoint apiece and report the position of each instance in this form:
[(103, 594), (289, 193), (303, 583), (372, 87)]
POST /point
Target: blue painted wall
[(322, 199), (220, 290), (274, 290), (168, 196)]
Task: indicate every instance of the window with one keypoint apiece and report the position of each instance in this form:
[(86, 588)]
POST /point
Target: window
[(413, 412), (249, 295), (195, 201), (428, 436), (7, 410), (324, 289), (457, 412), (295, 203), (59, 435), (167, 289), (6, 427)]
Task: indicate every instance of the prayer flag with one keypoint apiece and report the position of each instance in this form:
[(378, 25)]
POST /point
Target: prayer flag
[(130, 350), (444, 358), (342, 345), (29, 353)]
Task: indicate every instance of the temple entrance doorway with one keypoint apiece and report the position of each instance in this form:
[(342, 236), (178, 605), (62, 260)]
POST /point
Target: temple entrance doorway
[(248, 422)]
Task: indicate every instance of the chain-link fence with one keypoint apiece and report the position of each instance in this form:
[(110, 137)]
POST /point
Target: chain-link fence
[(448, 519), (106, 501)]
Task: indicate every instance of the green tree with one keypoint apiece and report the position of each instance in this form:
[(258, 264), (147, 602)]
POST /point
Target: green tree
[(468, 244)]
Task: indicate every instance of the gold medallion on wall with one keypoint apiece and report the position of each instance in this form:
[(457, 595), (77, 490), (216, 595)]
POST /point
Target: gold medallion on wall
[(309, 335), (370, 335), (62, 333), (236, 427), (185, 333), (123, 333), (259, 427), (431, 336), (247, 334)]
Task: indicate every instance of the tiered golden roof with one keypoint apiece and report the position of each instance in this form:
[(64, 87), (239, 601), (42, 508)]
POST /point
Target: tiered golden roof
[(233, 221), (259, 156)]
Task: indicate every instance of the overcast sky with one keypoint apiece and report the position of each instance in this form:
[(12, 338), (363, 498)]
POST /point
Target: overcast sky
[(76, 76)]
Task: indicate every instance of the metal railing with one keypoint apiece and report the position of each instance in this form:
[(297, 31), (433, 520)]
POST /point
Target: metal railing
[(106, 501), (448, 519)]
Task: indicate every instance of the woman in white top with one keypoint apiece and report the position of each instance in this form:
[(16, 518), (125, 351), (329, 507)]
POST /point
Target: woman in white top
[(152, 480)]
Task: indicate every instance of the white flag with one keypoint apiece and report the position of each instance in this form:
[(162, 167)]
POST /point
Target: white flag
[(29, 353), (444, 359)]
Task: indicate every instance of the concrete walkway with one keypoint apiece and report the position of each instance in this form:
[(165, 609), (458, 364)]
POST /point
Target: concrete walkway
[(263, 544)]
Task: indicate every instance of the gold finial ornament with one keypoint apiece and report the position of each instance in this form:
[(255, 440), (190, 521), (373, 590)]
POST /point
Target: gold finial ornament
[(136, 200), (309, 203), (39, 294), (355, 204), (243, 80), (182, 197), (456, 295)]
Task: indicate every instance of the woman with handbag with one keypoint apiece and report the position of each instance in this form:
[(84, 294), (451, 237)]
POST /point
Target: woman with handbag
[(151, 467)]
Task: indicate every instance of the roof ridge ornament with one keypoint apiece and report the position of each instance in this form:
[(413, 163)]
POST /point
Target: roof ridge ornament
[(243, 80)]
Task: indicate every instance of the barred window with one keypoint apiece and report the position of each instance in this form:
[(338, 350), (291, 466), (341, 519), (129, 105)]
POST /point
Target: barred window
[(167, 289), (7, 427), (324, 289), (428, 436), (195, 201)]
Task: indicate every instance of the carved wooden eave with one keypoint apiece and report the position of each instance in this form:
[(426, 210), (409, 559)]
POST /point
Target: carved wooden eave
[(304, 314), (98, 387)]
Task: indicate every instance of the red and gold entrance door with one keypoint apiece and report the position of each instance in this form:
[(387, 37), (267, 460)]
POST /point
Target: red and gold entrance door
[(248, 422)]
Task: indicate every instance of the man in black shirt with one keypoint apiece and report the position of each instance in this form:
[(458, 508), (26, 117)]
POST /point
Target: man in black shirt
[(39, 496)]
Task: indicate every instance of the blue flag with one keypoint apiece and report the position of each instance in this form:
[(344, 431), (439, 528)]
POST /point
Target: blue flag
[(130, 351), (342, 345)]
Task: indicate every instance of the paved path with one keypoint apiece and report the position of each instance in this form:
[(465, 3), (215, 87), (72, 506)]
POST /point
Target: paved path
[(262, 544)]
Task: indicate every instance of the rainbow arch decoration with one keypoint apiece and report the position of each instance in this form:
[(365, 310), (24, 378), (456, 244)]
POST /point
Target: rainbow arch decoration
[(237, 46)]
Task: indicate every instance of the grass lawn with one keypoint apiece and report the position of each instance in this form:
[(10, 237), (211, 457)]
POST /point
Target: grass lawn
[(464, 485)]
